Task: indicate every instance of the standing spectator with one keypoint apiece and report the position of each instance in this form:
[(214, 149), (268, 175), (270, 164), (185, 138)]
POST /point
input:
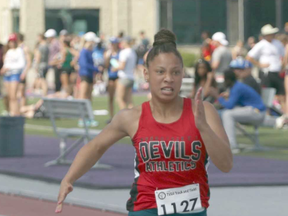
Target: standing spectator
[(243, 70), (142, 48), (112, 58), (41, 63), (63, 36), (251, 41), (243, 105), (65, 66), (3, 92), (28, 63), (87, 71), (285, 30), (127, 64), (239, 50), (221, 57), (86, 66), (268, 55), (14, 63), (54, 54), (207, 48)]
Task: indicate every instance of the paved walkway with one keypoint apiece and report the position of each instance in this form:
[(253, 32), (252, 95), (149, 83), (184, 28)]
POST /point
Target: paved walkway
[(228, 201)]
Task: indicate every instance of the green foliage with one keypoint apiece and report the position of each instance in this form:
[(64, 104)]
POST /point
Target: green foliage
[(189, 59)]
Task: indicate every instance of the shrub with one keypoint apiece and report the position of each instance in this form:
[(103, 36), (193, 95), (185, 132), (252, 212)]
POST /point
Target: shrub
[(189, 59)]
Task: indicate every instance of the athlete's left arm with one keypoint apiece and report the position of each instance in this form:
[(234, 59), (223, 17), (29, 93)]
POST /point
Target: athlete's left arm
[(216, 140)]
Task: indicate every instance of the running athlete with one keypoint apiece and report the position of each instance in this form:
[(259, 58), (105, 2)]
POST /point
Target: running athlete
[(173, 137)]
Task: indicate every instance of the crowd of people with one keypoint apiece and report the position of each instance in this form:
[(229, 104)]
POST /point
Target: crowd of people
[(239, 99), (78, 62)]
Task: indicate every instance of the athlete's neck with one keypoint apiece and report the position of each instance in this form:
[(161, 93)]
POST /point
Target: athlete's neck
[(165, 110)]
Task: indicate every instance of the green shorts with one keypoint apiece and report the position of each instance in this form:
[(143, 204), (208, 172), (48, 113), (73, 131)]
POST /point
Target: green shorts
[(153, 212)]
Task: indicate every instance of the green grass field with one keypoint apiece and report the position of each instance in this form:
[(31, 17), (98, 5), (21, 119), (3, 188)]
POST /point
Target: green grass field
[(277, 139)]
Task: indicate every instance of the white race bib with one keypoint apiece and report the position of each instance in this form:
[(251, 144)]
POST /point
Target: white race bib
[(178, 200)]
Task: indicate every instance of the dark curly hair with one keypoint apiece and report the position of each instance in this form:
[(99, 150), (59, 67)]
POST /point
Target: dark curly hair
[(209, 70), (164, 42)]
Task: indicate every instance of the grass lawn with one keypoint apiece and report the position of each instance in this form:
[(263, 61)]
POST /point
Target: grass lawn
[(268, 136)]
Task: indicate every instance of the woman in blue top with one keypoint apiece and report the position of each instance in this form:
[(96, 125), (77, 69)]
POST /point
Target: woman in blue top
[(111, 60), (86, 66)]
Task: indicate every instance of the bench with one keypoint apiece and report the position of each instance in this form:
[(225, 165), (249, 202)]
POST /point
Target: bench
[(71, 109)]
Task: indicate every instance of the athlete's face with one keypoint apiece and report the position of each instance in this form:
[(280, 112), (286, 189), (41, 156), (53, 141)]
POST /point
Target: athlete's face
[(165, 75)]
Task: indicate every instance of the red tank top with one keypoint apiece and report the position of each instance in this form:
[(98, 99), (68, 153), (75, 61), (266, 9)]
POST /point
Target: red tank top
[(167, 156)]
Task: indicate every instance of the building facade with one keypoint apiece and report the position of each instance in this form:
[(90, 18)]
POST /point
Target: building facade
[(239, 19)]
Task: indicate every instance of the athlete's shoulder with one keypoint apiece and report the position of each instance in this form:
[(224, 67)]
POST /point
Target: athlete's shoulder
[(127, 116), (131, 114)]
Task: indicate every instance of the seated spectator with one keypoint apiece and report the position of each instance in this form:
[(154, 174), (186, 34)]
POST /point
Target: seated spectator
[(243, 70), (204, 78), (243, 105), (38, 110)]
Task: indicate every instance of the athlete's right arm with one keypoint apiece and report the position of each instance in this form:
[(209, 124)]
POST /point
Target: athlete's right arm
[(90, 153)]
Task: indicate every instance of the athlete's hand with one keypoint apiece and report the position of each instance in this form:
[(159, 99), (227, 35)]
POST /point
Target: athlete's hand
[(199, 112), (65, 189)]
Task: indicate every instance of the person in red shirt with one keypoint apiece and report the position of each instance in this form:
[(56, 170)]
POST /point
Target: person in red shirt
[(174, 139)]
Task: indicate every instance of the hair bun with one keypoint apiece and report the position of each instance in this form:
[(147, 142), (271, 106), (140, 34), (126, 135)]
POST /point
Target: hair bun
[(164, 36)]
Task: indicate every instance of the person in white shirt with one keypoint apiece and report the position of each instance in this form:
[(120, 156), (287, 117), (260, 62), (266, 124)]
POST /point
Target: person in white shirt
[(268, 56), (14, 63), (125, 68), (221, 56)]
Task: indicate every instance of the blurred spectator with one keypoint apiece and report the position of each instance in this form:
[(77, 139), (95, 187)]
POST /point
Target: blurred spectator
[(98, 55), (112, 60), (41, 59), (207, 47), (54, 55), (126, 67), (1, 55), (267, 55), (63, 35), (3, 92), (38, 110), (221, 57), (243, 70), (142, 48), (14, 63), (204, 78), (87, 69), (65, 66), (239, 50), (28, 63), (243, 105), (251, 41), (285, 30)]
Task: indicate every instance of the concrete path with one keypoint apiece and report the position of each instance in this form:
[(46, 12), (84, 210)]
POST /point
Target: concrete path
[(228, 201)]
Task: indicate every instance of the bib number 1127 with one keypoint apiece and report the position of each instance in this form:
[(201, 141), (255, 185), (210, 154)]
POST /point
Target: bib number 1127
[(184, 206), (178, 200)]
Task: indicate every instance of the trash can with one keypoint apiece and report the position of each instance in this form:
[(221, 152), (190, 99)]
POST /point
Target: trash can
[(11, 136)]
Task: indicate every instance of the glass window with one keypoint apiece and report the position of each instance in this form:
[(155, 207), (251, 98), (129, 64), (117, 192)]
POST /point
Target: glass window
[(16, 20), (257, 14), (191, 17), (74, 21)]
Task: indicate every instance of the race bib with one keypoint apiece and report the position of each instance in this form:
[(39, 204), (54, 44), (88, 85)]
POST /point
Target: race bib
[(178, 200)]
